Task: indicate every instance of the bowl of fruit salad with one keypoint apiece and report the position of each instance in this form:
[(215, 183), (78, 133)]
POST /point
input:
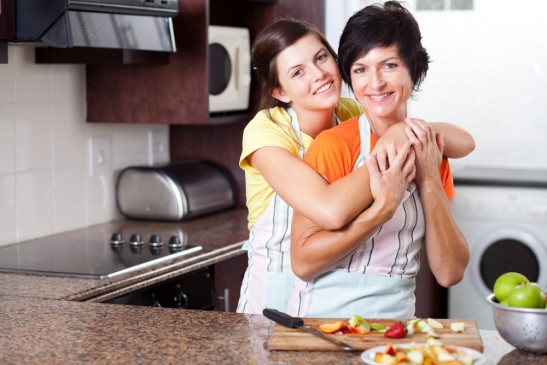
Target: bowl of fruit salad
[(520, 313)]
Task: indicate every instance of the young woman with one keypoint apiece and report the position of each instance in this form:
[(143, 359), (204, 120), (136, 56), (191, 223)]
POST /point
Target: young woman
[(369, 267), (301, 97)]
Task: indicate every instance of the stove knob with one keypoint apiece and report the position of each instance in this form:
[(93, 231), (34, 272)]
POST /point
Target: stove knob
[(116, 248), (155, 250), (136, 240), (155, 241), (136, 249), (116, 239), (175, 242), (174, 249)]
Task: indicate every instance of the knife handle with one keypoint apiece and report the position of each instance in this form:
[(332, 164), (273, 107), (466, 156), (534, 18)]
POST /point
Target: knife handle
[(283, 318)]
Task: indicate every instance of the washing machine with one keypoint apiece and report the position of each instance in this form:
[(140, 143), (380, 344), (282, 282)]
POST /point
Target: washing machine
[(503, 216)]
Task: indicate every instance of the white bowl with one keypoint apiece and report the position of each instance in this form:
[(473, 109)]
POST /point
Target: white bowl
[(524, 328)]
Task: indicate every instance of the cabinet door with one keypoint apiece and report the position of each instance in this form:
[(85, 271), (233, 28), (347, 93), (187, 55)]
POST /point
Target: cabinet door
[(7, 19), (228, 278), (175, 93)]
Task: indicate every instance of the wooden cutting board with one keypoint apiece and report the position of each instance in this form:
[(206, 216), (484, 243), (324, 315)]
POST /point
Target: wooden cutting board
[(283, 338)]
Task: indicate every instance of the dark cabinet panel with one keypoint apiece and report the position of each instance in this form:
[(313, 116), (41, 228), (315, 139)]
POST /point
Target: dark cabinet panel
[(172, 94), (7, 19), (228, 277), (312, 11)]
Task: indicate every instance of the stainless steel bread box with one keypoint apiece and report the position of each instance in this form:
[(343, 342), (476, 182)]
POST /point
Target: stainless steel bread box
[(174, 192)]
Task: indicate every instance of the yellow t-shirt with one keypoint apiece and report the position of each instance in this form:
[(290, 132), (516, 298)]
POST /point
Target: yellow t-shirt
[(273, 128)]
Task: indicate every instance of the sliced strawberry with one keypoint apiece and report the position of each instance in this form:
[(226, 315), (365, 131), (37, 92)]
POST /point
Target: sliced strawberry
[(397, 330)]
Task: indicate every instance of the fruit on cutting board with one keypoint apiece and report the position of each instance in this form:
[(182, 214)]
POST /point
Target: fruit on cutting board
[(396, 330), (457, 327), (357, 324), (332, 327), (515, 290)]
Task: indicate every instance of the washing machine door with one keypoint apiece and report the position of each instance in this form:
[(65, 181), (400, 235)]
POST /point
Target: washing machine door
[(511, 248)]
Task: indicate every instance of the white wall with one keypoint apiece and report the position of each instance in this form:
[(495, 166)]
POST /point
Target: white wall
[(488, 75), (45, 185)]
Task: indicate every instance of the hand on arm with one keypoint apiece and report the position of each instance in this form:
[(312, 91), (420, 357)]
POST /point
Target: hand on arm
[(315, 251), (447, 249), (458, 142), (454, 142)]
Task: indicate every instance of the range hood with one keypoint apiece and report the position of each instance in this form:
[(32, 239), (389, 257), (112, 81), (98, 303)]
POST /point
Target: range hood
[(128, 25)]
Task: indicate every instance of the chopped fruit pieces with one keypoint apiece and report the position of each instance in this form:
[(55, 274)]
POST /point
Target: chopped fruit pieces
[(389, 349), (332, 327), (358, 325), (411, 325), (457, 327), (397, 330), (431, 353), (377, 326), (434, 323)]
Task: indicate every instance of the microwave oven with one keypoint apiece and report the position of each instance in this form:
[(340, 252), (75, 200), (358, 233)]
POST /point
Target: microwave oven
[(229, 68)]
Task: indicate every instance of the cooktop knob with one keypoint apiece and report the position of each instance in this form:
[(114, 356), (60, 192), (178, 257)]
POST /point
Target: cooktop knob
[(155, 241), (116, 248), (173, 249), (156, 250), (136, 249), (136, 240), (175, 242), (116, 239)]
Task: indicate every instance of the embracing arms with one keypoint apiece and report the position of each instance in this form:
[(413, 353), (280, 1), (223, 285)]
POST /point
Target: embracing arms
[(315, 251), (333, 206)]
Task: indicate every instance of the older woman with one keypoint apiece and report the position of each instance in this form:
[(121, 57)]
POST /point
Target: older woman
[(301, 85), (369, 267)]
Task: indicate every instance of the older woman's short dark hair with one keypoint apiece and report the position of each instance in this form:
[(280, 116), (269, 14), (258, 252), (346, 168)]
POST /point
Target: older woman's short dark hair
[(383, 26)]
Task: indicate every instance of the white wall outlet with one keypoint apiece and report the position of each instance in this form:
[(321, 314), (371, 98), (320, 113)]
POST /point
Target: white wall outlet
[(158, 147), (99, 156)]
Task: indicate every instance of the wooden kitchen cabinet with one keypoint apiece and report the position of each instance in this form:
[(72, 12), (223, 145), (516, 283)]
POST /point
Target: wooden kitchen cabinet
[(228, 276), (177, 92)]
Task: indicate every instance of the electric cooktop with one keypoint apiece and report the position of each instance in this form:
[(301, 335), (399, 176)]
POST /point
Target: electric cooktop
[(62, 255)]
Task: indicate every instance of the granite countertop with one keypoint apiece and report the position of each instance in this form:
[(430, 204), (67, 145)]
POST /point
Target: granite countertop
[(60, 320), (64, 332), (221, 236)]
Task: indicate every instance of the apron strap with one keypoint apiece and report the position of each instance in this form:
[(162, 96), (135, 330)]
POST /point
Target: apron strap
[(296, 129), (364, 135)]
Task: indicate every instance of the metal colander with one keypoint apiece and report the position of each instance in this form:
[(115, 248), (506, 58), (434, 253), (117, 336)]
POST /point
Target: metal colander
[(524, 328)]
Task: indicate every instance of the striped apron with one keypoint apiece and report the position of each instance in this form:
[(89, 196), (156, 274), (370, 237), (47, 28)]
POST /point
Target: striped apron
[(268, 280), (378, 279)]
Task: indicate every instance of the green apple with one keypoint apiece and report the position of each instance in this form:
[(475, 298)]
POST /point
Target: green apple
[(505, 283), (528, 295)]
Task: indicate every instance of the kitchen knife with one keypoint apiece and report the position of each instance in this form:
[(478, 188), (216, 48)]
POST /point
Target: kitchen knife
[(298, 323)]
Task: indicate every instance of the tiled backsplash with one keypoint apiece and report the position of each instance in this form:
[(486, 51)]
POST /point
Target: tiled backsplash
[(45, 184)]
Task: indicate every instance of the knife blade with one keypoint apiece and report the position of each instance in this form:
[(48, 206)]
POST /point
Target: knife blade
[(295, 322)]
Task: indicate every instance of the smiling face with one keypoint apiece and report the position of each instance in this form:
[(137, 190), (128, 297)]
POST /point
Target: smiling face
[(382, 84), (308, 75)]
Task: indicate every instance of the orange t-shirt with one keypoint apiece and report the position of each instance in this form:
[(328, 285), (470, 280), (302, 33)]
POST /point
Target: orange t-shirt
[(334, 152)]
